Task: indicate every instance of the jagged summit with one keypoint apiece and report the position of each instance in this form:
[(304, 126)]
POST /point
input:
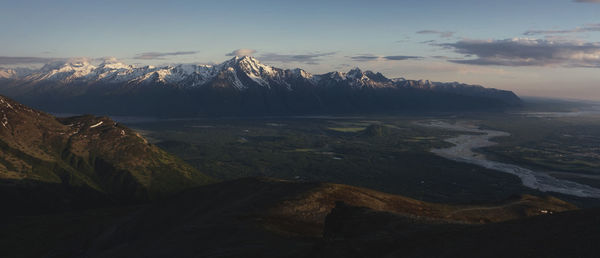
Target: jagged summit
[(355, 73)]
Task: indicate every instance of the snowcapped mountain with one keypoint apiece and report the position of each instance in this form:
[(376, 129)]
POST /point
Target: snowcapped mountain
[(7, 73), (190, 75), (237, 85)]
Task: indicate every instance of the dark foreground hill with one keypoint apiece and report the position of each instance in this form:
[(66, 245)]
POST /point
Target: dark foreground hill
[(47, 163), (241, 86), (273, 218), (362, 232)]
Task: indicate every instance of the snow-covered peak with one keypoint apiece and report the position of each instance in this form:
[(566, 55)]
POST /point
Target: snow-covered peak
[(356, 78), (301, 73), (238, 59), (355, 73), (113, 63), (250, 64), (64, 71), (260, 73), (15, 73), (7, 73), (187, 68), (425, 82)]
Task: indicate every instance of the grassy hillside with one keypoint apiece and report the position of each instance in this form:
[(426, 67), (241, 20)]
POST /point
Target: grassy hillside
[(46, 159)]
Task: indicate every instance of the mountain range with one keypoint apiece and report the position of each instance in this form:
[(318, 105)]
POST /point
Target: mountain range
[(239, 86)]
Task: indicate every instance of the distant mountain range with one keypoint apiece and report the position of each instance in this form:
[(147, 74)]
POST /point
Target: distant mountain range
[(239, 86)]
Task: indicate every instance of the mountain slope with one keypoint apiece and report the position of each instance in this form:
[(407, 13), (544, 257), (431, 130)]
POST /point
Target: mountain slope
[(239, 86), (86, 153)]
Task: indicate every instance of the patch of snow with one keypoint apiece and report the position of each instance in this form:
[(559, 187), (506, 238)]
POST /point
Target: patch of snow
[(236, 81), (96, 125), (5, 121), (6, 104)]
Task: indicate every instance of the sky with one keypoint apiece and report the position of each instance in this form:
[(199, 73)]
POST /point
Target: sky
[(547, 48)]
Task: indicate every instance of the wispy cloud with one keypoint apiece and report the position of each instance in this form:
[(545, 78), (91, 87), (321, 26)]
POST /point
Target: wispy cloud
[(586, 28), (242, 52), (313, 58), (364, 58), (17, 60), (586, 1), (162, 55), (442, 34), (369, 57), (401, 58), (527, 52)]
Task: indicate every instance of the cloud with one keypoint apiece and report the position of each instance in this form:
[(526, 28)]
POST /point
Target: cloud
[(586, 28), (369, 57), (364, 58), (586, 1), (428, 42), (442, 34), (301, 58), (400, 58), (17, 60), (342, 66), (242, 52), (527, 52), (162, 55)]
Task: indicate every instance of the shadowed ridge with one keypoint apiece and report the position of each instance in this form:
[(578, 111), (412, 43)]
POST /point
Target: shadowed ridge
[(358, 232), (270, 217)]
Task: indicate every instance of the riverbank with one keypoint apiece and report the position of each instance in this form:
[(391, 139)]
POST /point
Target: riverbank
[(464, 150)]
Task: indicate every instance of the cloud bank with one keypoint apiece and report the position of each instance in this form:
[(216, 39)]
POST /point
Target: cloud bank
[(17, 60), (368, 57), (587, 28), (527, 52), (302, 58), (400, 58), (162, 55)]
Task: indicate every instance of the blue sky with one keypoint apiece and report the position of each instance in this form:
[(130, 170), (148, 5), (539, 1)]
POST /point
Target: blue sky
[(321, 36)]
